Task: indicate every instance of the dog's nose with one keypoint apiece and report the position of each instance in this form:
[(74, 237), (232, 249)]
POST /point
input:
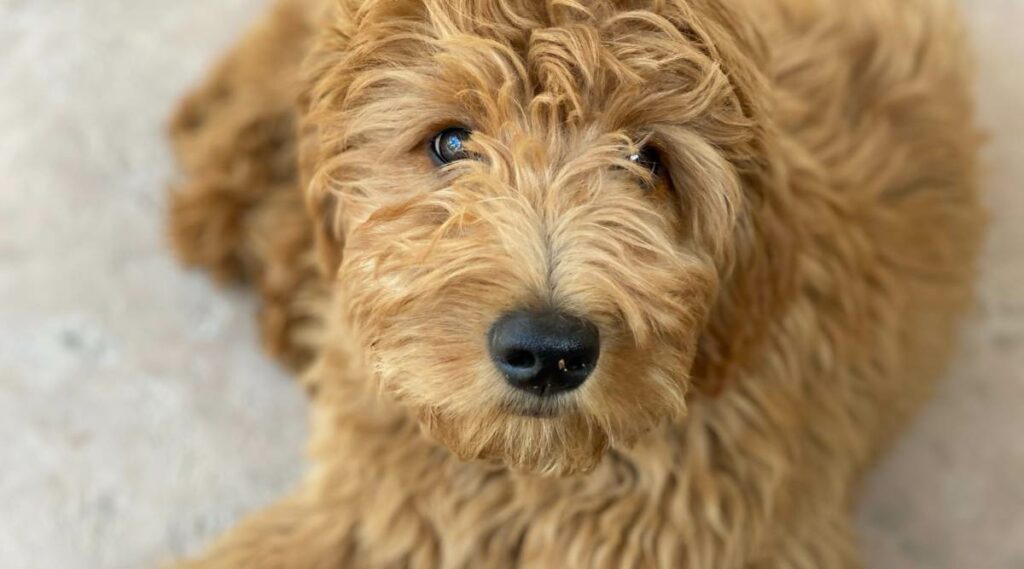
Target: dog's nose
[(544, 352)]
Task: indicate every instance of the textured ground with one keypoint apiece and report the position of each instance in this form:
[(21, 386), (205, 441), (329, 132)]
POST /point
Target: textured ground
[(138, 416)]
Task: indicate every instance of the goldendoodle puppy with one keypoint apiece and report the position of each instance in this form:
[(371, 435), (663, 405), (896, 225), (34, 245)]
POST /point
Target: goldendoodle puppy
[(587, 283)]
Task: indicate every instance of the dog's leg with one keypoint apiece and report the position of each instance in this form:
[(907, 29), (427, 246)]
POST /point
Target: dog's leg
[(294, 534), (320, 529), (239, 212)]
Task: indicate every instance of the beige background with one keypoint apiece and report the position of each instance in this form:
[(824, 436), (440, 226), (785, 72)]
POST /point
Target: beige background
[(137, 416)]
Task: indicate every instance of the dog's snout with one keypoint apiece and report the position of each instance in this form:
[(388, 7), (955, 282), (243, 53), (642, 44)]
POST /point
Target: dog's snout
[(544, 352)]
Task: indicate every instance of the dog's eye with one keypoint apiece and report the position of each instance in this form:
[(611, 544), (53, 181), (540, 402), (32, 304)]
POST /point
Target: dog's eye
[(449, 145), (648, 159)]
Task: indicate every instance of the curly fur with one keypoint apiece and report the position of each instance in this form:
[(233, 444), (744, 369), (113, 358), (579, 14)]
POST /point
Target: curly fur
[(771, 309)]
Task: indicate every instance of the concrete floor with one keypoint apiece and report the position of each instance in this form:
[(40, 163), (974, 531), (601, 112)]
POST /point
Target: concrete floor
[(138, 416)]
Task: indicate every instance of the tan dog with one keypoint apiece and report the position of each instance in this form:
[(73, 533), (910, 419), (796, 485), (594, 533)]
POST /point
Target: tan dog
[(587, 283)]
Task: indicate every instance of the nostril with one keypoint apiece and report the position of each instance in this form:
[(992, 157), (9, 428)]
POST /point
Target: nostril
[(520, 359)]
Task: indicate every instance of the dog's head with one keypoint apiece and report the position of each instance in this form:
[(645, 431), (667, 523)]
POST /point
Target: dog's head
[(542, 216)]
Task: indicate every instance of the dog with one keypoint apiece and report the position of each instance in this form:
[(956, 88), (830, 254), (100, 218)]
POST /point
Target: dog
[(587, 283)]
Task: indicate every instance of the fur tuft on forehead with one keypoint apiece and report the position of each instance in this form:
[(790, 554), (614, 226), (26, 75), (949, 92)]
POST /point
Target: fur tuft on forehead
[(554, 68)]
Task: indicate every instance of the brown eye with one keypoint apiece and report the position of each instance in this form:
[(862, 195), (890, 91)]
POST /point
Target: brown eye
[(648, 159), (449, 145)]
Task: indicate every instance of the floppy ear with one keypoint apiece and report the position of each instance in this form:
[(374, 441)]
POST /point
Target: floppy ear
[(324, 85), (757, 278), (334, 65), (755, 292), (322, 205)]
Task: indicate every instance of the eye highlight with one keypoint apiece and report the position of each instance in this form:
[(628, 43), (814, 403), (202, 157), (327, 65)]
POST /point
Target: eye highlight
[(648, 159), (449, 145)]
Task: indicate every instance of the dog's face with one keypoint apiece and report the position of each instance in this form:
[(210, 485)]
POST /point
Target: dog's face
[(531, 208)]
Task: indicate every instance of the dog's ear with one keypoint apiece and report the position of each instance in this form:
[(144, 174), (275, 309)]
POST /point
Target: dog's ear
[(322, 86), (758, 275), (322, 204), (326, 81), (757, 289)]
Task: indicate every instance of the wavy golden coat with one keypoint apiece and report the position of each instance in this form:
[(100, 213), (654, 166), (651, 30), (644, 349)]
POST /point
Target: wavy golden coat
[(771, 307)]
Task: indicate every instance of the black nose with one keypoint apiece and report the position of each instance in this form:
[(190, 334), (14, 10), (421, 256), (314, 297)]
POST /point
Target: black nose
[(544, 352)]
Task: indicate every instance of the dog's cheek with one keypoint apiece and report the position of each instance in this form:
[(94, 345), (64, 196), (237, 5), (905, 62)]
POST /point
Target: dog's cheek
[(421, 307)]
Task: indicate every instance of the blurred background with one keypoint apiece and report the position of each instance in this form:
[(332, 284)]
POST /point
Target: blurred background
[(138, 417)]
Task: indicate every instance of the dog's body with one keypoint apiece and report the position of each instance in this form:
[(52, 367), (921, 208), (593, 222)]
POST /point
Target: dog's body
[(770, 309)]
